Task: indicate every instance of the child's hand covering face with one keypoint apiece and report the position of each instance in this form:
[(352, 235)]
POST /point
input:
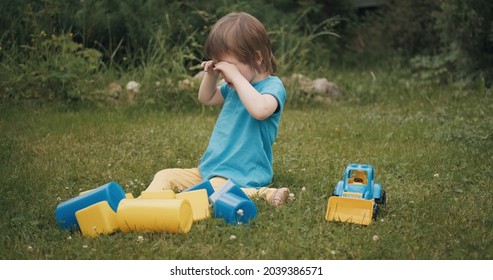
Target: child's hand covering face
[(209, 66), (232, 70), (229, 72)]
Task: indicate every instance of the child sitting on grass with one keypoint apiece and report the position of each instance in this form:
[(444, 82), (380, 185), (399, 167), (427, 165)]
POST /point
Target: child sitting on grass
[(240, 147)]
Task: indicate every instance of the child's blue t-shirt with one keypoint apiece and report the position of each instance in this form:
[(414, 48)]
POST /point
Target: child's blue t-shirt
[(240, 147)]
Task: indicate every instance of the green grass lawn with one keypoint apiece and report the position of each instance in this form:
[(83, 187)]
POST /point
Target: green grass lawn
[(432, 153)]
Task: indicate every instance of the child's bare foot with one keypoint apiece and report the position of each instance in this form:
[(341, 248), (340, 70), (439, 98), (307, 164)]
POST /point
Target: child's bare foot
[(279, 197)]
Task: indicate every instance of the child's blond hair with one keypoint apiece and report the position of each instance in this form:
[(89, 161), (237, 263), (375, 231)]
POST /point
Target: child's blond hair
[(244, 37)]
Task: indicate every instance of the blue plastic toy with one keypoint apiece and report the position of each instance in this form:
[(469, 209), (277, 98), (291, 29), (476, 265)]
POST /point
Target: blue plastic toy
[(65, 212), (233, 205), (202, 185)]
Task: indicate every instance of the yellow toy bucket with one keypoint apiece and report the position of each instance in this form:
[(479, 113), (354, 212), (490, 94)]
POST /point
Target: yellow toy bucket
[(155, 215)]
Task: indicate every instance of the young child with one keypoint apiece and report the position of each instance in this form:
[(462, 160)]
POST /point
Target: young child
[(240, 147)]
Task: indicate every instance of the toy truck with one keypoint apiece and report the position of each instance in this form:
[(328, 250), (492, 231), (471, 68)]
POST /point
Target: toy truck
[(356, 198)]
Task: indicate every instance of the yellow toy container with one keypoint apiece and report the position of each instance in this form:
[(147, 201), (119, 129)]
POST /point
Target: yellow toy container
[(199, 201), (155, 215), (129, 196), (97, 219), (164, 194)]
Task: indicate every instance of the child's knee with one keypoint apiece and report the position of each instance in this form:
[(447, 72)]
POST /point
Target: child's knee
[(160, 181), (160, 175)]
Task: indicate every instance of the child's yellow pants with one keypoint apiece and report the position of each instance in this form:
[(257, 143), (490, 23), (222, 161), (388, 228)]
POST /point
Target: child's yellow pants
[(179, 179)]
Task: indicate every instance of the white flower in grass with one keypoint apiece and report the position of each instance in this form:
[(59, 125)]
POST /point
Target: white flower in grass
[(263, 252), (232, 237), (436, 175), (332, 252), (240, 212), (291, 196), (133, 86), (140, 238), (303, 189), (375, 238), (29, 248), (85, 246)]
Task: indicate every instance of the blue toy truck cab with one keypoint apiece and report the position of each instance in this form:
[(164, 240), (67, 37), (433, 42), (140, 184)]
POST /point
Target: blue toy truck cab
[(359, 179)]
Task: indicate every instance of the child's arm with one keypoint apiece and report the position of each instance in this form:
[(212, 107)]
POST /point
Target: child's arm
[(209, 92), (259, 106)]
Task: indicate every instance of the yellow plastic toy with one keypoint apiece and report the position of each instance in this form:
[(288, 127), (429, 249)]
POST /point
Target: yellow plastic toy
[(97, 219), (164, 194), (155, 215), (199, 200), (155, 211), (129, 196), (352, 210)]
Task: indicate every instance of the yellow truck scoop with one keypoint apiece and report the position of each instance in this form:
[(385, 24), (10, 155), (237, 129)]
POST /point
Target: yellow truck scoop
[(351, 210)]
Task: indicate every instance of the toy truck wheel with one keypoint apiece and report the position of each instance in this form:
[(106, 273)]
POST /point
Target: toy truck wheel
[(382, 200), (375, 212)]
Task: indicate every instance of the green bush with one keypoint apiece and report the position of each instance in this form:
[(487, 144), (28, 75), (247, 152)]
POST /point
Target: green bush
[(398, 27), (51, 67), (20, 19), (445, 41), (153, 42), (466, 29)]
